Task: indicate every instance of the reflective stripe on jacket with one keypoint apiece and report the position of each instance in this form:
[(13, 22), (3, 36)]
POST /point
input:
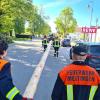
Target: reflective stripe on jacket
[(45, 42), (56, 43), (77, 82), (12, 93)]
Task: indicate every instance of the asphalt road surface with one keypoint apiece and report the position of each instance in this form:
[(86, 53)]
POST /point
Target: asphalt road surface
[(25, 56)]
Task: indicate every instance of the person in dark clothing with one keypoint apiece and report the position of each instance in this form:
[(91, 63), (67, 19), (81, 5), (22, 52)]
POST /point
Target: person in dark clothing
[(8, 91), (56, 45), (77, 81), (45, 42)]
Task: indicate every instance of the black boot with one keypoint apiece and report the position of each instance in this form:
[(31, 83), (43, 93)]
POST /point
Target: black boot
[(54, 54)]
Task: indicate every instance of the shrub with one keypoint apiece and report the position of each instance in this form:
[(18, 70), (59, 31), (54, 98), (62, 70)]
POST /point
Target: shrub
[(4, 36)]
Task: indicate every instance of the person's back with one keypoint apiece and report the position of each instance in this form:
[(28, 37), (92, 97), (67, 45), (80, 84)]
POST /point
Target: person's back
[(45, 42), (77, 81), (56, 42), (56, 45)]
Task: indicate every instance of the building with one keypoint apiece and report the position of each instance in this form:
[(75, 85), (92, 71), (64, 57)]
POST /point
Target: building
[(95, 36)]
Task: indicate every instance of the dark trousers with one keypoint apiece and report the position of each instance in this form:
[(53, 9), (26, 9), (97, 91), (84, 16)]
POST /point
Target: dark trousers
[(56, 51), (45, 46)]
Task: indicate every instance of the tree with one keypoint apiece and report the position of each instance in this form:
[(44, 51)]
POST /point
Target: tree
[(19, 26), (14, 14), (5, 16), (66, 22), (39, 25), (10, 10), (46, 29)]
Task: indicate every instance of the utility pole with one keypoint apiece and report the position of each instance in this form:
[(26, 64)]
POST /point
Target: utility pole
[(90, 6), (91, 21), (97, 28)]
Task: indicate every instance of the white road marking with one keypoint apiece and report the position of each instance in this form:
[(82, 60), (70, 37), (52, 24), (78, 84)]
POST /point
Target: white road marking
[(32, 85)]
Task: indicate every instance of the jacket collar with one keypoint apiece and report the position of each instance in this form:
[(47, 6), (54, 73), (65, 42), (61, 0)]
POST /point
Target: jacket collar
[(79, 63)]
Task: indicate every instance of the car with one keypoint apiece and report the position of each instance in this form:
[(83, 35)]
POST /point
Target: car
[(93, 57), (79, 44), (66, 43), (93, 54), (51, 37)]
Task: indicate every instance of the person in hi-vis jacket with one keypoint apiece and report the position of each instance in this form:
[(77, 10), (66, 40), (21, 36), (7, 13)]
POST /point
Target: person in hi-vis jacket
[(8, 90)]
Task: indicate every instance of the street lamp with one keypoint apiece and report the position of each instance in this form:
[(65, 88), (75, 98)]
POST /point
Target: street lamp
[(90, 6), (96, 27)]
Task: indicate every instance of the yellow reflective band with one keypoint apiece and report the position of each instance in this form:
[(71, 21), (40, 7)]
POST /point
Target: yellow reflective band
[(45, 42), (69, 92), (56, 45), (92, 92), (12, 93)]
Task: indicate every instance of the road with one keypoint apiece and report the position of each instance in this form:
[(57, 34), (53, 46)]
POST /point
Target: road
[(25, 57)]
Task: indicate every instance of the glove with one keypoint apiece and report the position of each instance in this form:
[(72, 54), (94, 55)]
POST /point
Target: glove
[(24, 98)]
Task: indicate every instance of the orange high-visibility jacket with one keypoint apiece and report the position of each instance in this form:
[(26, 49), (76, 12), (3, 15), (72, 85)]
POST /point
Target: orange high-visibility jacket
[(77, 81), (7, 89)]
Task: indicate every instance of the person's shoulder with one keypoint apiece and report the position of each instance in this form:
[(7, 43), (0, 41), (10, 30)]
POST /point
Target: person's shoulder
[(91, 68), (8, 63), (94, 70), (4, 63), (65, 68), (3, 60)]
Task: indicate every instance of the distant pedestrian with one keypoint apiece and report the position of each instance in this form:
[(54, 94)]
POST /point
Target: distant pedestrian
[(8, 91), (45, 42), (56, 45)]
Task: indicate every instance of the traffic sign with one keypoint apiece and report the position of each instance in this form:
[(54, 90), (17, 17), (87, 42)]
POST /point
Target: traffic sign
[(89, 29)]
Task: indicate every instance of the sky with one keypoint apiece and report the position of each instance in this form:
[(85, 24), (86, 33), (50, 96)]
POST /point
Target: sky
[(82, 13)]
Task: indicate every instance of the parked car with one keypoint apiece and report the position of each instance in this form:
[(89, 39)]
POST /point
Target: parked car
[(66, 43), (93, 54)]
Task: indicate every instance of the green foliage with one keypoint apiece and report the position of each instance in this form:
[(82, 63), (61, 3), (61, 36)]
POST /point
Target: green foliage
[(14, 14), (66, 23), (4, 36), (39, 26), (12, 11), (19, 25)]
